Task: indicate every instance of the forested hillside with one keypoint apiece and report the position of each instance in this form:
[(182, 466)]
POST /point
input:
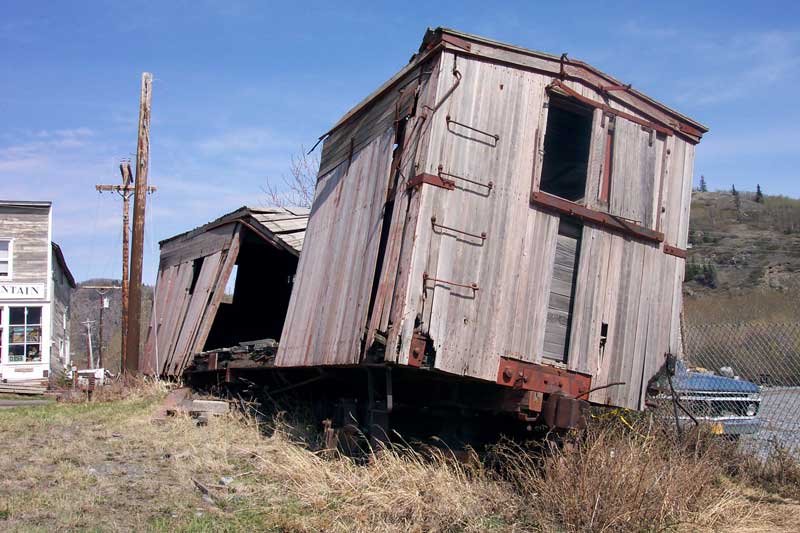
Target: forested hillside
[(744, 258), (85, 305)]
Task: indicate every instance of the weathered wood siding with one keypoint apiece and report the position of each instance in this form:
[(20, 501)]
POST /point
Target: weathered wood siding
[(630, 285), (181, 321), (29, 228), (59, 318), (512, 266), (328, 308), (182, 313)]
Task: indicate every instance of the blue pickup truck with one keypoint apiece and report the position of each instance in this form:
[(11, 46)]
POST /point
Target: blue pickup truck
[(729, 405)]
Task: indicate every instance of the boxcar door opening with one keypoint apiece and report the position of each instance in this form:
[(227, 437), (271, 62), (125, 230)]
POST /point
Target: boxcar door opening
[(562, 291)]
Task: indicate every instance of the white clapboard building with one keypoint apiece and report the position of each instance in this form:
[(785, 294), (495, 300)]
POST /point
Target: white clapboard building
[(35, 287)]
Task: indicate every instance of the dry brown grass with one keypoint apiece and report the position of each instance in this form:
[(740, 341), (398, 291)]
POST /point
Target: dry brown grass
[(105, 466), (756, 305), (620, 479)]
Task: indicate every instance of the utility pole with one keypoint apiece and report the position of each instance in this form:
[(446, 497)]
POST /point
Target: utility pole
[(89, 337), (101, 291), (137, 251), (125, 190)]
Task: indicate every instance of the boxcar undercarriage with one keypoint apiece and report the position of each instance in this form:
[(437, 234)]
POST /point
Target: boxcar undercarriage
[(388, 402)]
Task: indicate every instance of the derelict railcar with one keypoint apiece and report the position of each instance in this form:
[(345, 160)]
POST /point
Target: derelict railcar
[(500, 215)]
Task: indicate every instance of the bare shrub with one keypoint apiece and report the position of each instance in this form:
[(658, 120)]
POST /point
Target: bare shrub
[(617, 478), (778, 473), (297, 189)]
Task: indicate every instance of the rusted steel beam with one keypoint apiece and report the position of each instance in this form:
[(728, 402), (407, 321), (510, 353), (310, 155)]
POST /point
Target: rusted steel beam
[(431, 179), (674, 250), (541, 378), (590, 216)]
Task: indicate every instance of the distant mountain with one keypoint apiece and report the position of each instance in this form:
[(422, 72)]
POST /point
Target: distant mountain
[(85, 305), (744, 258)]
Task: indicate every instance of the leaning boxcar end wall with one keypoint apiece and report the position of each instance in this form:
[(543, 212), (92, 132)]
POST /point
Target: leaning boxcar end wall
[(439, 229), (629, 284)]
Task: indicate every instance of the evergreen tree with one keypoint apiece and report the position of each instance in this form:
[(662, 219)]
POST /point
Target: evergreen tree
[(734, 191), (709, 275), (759, 195), (712, 276), (703, 186)]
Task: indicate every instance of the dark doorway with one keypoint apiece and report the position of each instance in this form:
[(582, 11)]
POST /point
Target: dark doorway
[(566, 149), (264, 276)]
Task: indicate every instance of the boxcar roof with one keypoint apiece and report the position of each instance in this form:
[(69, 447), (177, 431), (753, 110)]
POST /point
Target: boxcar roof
[(559, 66), (286, 225)]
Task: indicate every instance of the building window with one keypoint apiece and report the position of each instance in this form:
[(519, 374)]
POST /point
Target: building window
[(566, 148), (5, 259), (24, 334)]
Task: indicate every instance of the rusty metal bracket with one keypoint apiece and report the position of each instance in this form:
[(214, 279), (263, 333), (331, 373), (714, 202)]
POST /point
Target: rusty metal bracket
[(430, 179), (608, 88), (435, 224), (541, 378), (492, 136), (562, 72), (489, 185), (562, 412), (674, 250), (417, 351), (426, 278)]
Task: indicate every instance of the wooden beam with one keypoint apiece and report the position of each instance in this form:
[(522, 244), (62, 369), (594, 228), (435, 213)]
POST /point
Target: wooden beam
[(597, 218), (137, 248)]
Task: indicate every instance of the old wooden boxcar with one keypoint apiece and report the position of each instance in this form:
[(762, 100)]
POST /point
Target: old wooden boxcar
[(222, 283), (495, 215)]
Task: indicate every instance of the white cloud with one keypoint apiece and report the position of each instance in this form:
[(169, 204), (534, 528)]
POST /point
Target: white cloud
[(740, 66)]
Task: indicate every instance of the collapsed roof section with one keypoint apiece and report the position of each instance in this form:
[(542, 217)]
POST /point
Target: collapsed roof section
[(225, 282)]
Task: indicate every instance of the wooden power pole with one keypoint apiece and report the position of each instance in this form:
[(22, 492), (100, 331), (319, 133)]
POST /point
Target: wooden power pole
[(102, 290), (137, 248), (89, 339), (125, 190)]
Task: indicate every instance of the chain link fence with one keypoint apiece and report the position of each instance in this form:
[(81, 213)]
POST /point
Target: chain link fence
[(767, 355)]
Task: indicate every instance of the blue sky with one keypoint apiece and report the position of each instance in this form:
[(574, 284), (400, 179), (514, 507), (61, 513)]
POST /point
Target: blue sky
[(241, 86)]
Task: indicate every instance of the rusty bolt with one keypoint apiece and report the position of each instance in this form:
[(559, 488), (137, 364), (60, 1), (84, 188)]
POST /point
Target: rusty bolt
[(507, 374)]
